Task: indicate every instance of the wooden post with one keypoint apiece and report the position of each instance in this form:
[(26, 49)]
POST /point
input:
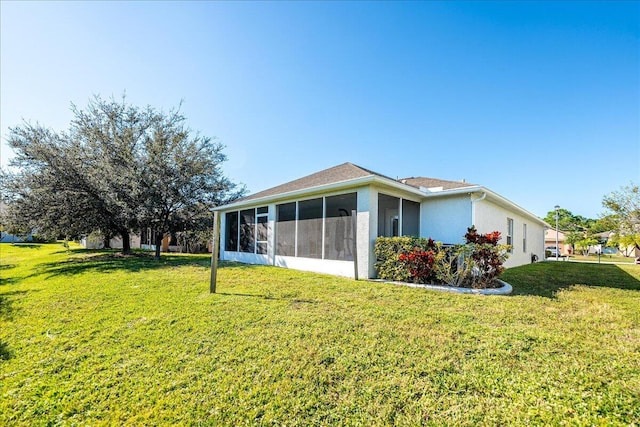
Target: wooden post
[(354, 233), (214, 251)]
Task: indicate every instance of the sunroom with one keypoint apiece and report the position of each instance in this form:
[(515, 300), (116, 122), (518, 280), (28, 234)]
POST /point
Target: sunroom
[(318, 232)]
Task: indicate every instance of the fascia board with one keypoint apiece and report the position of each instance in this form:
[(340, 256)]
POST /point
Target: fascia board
[(366, 180), (494, 197), (509, 204), (297, 193)]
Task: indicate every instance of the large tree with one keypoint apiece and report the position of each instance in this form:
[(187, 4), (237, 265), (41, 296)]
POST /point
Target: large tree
[(117, 169), (181, 178), (624, 211), (567, 221)]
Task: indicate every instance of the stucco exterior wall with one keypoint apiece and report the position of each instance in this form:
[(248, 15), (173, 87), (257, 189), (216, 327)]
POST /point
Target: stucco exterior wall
[(446, 219), (489, 217), (367, 227)]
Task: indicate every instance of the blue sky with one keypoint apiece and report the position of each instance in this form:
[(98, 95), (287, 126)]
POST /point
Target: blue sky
[(538, 101)]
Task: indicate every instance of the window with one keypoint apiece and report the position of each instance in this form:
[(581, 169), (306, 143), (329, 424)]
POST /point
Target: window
[(524, 237), (338, 234), (286, 229), (410, 218), (247, 230), (318, 228), (231, 232), (389, 222), (309, 244), (262, 225), (388, 211), (510, 233)]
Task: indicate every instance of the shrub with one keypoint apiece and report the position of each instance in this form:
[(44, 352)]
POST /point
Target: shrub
[(475, 264), (487, 257), (454, 267), (388, 251), (420, 265)]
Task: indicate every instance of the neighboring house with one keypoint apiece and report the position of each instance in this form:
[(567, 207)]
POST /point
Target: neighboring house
[(602, 248), (550, 241), (10, 238), (307, 224), (627, 251), (95, 241), (144, 240)]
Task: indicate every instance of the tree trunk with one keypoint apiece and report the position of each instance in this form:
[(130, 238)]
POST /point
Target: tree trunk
[(126, 242), (106, 242), (158, 244)]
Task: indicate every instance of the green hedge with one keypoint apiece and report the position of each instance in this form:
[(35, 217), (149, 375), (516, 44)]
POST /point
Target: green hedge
[(387, 251)]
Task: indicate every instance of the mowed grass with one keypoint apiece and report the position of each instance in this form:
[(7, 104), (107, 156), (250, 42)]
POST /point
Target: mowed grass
[(603, 258), (90, 338)]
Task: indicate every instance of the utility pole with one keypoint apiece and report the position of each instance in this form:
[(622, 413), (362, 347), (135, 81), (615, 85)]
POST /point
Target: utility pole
[(557, 216)]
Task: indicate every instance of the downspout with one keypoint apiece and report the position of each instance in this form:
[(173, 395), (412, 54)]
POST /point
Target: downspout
[(473, 207)]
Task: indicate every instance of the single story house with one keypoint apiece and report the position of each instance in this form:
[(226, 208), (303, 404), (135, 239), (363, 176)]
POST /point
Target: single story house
[(307, 224), (550, 241), (143, 240)]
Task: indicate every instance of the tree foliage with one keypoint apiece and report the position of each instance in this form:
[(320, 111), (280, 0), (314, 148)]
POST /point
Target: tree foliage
[(567, 221), (623, 208), (119, 168)]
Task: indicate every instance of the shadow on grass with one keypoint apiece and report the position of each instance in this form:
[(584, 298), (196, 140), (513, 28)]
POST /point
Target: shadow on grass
[(104, 261), (270, 297), (546, 279), (6, 313), (4, 280), (7, 280), (5, 351), (24, 245)]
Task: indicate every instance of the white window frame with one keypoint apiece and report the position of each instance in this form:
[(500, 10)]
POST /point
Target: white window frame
[(255, 237), (255, 229), (510, 234)]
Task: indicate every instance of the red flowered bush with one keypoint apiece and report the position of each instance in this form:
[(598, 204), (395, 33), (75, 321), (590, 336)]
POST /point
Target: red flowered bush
[(487, 256), (475, 264), (420, 265)]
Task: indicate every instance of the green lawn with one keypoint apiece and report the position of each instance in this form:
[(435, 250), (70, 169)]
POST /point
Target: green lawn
[(90, 338), (603, 258)]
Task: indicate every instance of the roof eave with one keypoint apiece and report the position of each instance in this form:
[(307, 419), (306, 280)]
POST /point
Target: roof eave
[(349, 183), (296, 193), (494, 197)]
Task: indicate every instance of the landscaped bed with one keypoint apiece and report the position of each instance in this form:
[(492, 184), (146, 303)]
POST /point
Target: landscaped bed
[(89, 339)]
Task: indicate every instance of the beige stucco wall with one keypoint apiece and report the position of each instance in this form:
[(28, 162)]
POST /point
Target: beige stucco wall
[(489, 217)]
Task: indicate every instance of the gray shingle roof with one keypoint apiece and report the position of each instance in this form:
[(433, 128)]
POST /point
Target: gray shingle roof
[(420, 181), (346, 172), (343, 172)]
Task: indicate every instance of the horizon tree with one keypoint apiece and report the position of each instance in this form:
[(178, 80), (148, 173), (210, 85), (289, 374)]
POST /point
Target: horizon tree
[(623, 208), (118, 168)]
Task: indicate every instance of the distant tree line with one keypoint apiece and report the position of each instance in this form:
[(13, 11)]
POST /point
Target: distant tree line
[(621, 216), (118, 169)]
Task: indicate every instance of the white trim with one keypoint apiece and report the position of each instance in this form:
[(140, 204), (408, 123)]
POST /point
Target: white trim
[(494, 197), (505, 289), (386, 182)]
